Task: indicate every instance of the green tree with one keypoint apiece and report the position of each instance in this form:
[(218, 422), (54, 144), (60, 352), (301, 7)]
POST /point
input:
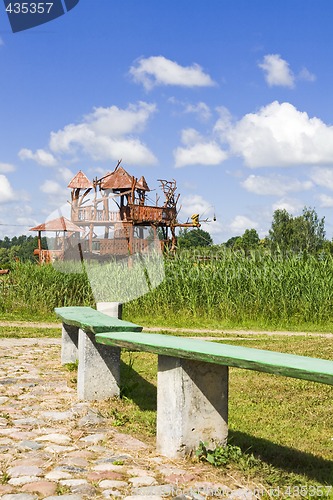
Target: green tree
[(297, 234), (233, 241), (250, 239), (194, 238)]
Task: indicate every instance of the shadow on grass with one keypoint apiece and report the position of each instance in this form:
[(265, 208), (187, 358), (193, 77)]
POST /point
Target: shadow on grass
[(136, 388), (287, 459)]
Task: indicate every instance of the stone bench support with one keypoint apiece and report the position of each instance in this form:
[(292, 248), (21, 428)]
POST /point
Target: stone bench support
[(69, 344), (192, 405), (98, 365), (98, 374)]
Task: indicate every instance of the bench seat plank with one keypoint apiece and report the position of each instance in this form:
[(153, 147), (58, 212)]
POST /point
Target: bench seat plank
[(290, 365), (89, 319)]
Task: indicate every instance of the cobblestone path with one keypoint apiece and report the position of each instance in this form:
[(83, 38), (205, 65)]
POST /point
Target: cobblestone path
[(54, 447)]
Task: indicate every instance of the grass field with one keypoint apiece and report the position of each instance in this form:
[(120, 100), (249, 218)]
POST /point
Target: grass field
[(230, 290), (285, 424)]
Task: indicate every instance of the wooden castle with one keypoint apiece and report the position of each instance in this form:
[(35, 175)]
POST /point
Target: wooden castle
[(110, 216)]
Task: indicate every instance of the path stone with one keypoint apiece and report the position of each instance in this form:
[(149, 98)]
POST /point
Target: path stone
[(142, 481), (45, 488), (52, 443), (20, 496), (112, 484), (55, 438), (24, 470)]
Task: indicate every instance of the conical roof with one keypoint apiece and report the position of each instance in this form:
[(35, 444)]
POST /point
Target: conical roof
[(80, 181), (118, 179), (142, 184), (59, 224)]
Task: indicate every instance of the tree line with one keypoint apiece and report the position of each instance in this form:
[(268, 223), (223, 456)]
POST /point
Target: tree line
[(17, 248), (288, 234)]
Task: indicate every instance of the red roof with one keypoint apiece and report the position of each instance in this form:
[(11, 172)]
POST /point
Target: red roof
[(80, 181), (60, 224), (142, 184), (118, 179)]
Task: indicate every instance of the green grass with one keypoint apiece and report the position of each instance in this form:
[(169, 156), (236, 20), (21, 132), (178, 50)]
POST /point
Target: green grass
[(284, 423), (258, 291), (18, 332)]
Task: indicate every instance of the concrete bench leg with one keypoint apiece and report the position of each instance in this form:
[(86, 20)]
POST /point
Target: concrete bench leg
[(192, 405), (99, 369), (114, 309), (69, 344)]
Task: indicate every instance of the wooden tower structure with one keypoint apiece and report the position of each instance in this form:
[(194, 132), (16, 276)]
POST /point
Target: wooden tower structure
[(112, 213)]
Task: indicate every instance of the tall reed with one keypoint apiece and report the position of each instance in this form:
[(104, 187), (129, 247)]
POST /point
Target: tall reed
[(228, 288)]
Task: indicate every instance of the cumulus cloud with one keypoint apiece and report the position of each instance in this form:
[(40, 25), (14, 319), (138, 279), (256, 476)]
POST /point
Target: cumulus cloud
[(105, 134), (197, 150), (325, 201), (279, 135), (6, 167), (6, 190), (306, 75), (200, 109), (291, 205), (240, 223), (51, 187), (277, 71), (194, 204), (65, 174), (322, 177), (157, 70), (276, 185), (40, 156), (205, 153)]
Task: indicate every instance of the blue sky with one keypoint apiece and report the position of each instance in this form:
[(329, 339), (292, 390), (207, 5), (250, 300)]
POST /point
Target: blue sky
[(230, 98)]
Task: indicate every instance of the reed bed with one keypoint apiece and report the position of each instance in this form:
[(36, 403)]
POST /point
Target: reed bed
[(32, 292), (225, 288), (237, 289)]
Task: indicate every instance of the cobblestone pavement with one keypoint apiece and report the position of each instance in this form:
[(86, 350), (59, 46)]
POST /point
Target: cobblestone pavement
[(53, 447)]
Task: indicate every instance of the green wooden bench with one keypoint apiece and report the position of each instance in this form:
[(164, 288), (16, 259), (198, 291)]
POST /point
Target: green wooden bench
[(99, 367), (192, 384), (192, 381)]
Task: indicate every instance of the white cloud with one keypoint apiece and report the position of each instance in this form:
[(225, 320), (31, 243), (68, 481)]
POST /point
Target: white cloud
[(194, 204), (240, 223), (280, 135), (200, 109), (322, 177), (157, 70), (105, 134), (325, 201), (277, 71), (306, 75), (6, 167), (276, 185), (205, 153), (51, 187), (41, 157), (6, 191), (197, 150), (65, 174), (291, 205), (1, 42)]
